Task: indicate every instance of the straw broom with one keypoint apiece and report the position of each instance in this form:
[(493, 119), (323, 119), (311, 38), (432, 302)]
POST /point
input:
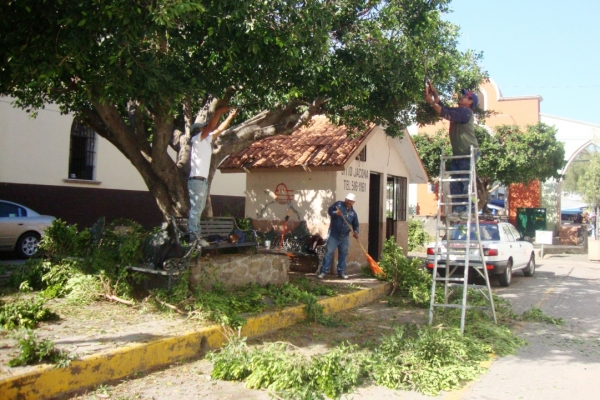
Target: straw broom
[(375, 268)]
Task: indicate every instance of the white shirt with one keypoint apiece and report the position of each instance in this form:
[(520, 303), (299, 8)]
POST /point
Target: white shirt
[(201, 154)]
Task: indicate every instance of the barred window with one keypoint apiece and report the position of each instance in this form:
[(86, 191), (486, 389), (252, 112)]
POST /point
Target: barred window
[(82, 152), (397, 189)]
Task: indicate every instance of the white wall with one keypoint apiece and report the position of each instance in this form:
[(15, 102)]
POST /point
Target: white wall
[(36, 151)]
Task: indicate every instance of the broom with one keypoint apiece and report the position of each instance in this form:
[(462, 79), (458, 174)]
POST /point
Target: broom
[(375, 268)]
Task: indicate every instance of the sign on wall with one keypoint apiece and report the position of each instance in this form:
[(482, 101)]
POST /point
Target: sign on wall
[(355, 179)]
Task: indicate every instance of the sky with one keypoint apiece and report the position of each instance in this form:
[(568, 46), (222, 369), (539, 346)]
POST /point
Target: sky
[(548, 48)]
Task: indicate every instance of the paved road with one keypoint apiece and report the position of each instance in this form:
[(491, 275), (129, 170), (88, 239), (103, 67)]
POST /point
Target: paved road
[(559, 362)]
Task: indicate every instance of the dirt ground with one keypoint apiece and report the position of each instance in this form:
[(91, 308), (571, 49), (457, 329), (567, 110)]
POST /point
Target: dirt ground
[(192, 380)]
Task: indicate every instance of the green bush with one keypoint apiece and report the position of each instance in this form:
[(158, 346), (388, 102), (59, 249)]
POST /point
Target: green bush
[(406, 276), (24, 313), (417, 236), (33, 352)]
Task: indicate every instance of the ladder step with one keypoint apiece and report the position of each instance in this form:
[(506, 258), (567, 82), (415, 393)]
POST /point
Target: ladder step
[(455, 179), (470, 286), (457, 172), (446, 157), (450, 280), (460, 306)]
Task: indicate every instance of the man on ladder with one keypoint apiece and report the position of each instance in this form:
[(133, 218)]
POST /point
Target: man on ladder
[(463, 200), (462, 137)]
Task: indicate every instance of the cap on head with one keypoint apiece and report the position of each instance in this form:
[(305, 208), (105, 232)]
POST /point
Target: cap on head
[(351, 197), (472, 96), (197, 126)]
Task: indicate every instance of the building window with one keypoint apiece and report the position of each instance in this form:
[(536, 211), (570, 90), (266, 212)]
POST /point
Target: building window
[(82, 152), (362, 156), (397, 189)]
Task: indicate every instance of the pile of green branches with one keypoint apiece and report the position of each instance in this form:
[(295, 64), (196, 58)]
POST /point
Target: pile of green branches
[(226, 306), (84, 265)]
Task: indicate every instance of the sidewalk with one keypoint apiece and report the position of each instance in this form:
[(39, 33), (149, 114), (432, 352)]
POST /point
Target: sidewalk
[(136, 355)]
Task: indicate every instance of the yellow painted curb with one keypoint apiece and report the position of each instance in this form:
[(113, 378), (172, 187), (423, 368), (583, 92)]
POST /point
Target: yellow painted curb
[(46, 381)]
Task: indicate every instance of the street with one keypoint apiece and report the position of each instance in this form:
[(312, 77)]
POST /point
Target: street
[(560, 362)]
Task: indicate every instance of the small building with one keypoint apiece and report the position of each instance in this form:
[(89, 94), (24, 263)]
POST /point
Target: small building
[(302, 174)]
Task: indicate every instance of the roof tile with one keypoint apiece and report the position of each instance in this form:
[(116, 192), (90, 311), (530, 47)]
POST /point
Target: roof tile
[(319, 144)]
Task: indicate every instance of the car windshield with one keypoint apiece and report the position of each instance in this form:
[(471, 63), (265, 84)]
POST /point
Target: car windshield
[(487, 232)]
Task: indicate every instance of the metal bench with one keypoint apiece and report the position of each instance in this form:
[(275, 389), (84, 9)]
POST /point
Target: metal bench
[(223, 226)]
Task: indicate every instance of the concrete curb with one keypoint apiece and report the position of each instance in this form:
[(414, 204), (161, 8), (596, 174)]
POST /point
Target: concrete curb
[(46, 381)]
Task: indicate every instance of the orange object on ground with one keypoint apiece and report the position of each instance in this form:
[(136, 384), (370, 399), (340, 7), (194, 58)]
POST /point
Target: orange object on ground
[(375, 268)]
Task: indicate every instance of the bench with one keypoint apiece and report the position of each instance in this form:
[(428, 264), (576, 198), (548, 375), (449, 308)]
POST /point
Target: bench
[(223, 226)]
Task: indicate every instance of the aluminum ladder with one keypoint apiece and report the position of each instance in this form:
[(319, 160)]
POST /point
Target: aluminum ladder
[(457, 251)]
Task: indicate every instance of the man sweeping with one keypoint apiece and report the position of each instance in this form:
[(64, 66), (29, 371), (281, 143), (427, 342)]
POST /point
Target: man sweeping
[(339, 234), (462, 137)]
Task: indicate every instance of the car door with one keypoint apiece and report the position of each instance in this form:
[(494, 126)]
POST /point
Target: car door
[(523, 256), (510, 244), (11, 224)]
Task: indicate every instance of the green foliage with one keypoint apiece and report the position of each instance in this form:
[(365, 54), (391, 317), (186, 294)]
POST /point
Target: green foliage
[(80, 268), (406, 276), (426, 359), (417, 236), (537, 315), (225, 306), (589, 182), (62, 240), (24, 313), (163, 60), (33, 352)]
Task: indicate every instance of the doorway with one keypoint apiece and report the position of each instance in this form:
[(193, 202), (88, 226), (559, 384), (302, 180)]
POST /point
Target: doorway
[(374, 214)]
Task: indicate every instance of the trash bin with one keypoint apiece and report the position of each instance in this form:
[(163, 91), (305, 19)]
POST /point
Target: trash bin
[(530, 220)]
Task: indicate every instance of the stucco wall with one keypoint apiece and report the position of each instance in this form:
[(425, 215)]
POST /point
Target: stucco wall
[(36, 151)]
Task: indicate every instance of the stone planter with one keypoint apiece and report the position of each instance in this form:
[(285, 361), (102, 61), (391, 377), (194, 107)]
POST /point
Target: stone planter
[(240, 269), (594, 249)]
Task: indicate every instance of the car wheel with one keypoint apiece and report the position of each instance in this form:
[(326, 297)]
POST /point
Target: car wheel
[(27, 245), (530, 269), (506, 277)]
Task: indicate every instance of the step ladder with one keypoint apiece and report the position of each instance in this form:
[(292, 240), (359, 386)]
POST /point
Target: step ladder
[(459, 250)]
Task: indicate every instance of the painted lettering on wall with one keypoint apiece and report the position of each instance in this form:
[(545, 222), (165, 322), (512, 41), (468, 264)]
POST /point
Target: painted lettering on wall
[(355, 185)]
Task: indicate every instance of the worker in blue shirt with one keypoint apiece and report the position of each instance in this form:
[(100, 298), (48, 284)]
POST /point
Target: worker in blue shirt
[(339, 235)]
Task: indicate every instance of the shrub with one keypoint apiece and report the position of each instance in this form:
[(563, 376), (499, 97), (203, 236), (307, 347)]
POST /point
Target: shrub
[(417, 236)]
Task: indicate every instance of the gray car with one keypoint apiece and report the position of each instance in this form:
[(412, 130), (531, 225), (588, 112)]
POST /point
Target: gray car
[(21, 228)]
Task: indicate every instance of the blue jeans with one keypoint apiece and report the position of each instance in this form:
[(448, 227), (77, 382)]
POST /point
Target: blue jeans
[(333, 243), (198, 194), (462, 187)]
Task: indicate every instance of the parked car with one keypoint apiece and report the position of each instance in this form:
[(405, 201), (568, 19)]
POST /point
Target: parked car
[(504, 248), (21, 228)]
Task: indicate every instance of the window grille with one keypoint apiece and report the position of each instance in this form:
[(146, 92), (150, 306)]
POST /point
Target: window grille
[(82, 152), (397, 188)]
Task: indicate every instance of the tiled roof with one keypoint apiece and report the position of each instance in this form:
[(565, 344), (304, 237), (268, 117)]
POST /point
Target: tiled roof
[(320, 144)]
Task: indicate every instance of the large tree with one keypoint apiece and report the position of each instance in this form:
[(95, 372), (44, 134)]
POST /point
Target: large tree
[(140, 72), (510, 154)]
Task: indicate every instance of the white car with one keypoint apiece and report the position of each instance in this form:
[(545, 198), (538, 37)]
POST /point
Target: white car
[(21, 228), (504, 248)]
